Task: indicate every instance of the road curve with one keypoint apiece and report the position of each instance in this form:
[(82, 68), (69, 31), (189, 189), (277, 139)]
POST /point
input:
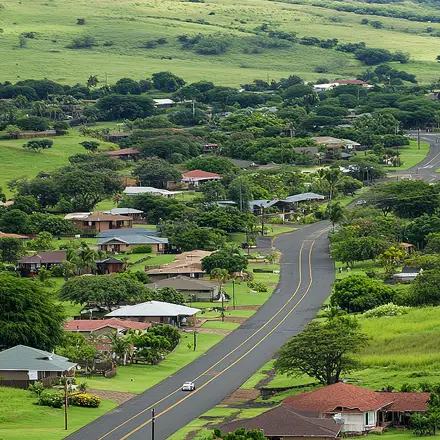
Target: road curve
[(306, 276)]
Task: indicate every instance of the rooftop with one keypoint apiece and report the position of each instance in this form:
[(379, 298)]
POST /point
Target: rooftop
[(128, 231), (284, 421), (46, 257), (134, 190), (4, 235), (154, 308), (123, 151), (91, 325), (123, 211), (199, 174), (23, 358), (337, 397), (133, 239), (183, 283), (187, 262)]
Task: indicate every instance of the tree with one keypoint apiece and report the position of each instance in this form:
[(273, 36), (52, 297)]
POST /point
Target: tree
[(114, 107), (92, 81), (33, 123), (90, 146), (28, 315), (358, 293), (169, 295), (38, 144), (212, 191), (391, 258), (212, 164), (372, 56), (166, 146), (105, 290), (240, 191), (353, 249), (224, 260), (221, 275), (11, 249), (348, 185), (426, 289), (320, 352), (42, 242), (77, 348), (156, 172), (125, 86), (61, 127), (333, 178), (167, 81), (14, 221), (240, 434), (335, 213), (420, 229)]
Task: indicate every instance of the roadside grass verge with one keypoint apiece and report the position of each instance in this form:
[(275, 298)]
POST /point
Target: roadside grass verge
[(220, 325), (138, 378), (21, 418), (410, 155)]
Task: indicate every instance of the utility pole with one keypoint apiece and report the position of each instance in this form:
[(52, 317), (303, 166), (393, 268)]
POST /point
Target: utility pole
[(223, 303), (262, 220), (195, 333), (66, 401), (418, 138), (193, 108), (233, 294), (153, 422)]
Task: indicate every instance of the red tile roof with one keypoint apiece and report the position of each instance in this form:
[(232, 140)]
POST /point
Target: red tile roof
[(334, 398), (91, 325), (199, 174), (284, 421), (123, 152), (413, 402), (4, 235)]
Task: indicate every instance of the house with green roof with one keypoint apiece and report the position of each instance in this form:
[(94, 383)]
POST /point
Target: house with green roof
[(21, 366)]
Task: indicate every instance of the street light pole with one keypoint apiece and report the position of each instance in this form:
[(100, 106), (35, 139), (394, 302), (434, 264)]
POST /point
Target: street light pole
[(66, 401), (195, 333), (153, 422)]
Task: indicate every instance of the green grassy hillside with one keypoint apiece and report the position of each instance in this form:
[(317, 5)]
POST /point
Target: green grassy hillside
[(129, 25)]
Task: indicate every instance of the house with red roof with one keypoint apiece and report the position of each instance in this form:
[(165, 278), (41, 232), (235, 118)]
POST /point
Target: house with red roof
[(103, 326), (358, 409), (195, 177)]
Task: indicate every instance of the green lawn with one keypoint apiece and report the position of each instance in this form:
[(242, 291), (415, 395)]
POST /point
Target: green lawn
[(410, 155), (21, 419), (137, 378), (221, 325), (278, 229), (20, 162), (121, 30)]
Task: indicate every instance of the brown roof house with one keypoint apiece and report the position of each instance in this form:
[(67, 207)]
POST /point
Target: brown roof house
[(190, 288), (284, 422), (99, 221), (29, 266), (21, 365), (127, 242), (358, 409), (126, 154), (188, 264)]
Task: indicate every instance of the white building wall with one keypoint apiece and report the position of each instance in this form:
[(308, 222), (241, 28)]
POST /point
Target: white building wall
[(357, 422)]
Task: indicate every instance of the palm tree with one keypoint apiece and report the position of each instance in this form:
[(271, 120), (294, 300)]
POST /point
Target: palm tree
[(333, 177), (86, 258), (335, 213), (120, 346), (221, 275), (92, 81)]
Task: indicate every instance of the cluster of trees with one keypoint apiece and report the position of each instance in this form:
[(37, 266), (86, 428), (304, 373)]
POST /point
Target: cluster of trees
[(110, 290)]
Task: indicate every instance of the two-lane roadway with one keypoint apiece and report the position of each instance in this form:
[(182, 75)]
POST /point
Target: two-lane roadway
[(306, 276)]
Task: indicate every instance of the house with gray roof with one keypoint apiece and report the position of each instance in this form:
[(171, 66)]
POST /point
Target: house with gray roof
[(127, 242), (22, 365), (191, 288)]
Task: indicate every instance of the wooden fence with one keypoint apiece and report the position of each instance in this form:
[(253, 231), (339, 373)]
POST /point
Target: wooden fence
[(24, 384)]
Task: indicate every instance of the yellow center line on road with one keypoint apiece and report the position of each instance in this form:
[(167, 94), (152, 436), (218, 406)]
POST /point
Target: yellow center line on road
[(320, 232), (252, 348)]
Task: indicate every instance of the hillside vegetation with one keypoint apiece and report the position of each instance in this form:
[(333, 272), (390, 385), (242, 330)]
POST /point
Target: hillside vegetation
[(134, 37)]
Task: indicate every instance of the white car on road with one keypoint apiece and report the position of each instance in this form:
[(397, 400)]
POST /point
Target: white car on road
[(188, 386)]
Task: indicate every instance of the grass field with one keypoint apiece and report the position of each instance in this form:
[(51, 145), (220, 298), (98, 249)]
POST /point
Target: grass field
[(21, 419), (411, 155), (17, 161), (137, 378), (127, 26)]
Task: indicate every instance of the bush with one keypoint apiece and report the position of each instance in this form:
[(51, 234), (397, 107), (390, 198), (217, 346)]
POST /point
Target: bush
[(54, 400), (82, 43), (85, 400), (37, 388), (259, 287), (389, 309), (145, 249)]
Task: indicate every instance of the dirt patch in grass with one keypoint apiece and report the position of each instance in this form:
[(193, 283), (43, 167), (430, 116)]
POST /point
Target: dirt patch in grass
[(115, 396), (241, 396), (214, 331)]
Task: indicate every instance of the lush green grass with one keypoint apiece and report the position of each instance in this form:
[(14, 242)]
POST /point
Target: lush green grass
[(410, 155), (130, 24), (278, 229), (20, 162), (153, 261), (137, 378), (220, 325), (21, 419)]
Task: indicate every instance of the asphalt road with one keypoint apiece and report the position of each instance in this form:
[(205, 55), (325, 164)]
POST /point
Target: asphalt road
[(425, 170), (306, 276)]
